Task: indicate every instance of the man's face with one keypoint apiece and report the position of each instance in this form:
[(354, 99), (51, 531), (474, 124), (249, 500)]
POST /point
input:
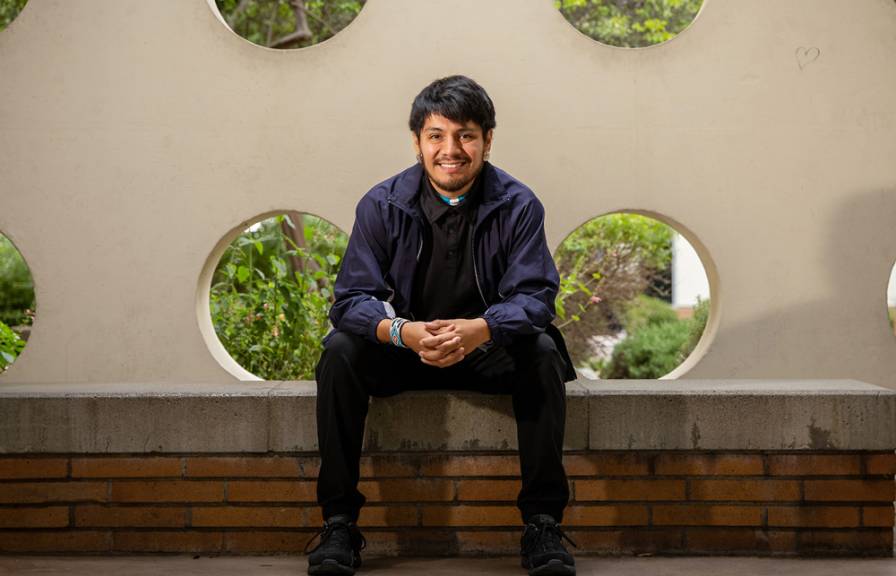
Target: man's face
[(453, 153)]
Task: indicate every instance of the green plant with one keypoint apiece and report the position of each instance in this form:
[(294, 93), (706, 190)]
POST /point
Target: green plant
[(651, 352), (629, 23), (697, 326), (645, 311), (288, 23), (16, 286), (603, 265), (271, 293), (10, 346)]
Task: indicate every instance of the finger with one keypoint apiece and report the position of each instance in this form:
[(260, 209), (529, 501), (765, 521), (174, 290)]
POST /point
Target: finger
[(436, 341), (448, 360), (449, 345)]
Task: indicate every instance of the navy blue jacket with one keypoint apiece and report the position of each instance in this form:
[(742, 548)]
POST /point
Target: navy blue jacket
[(514, 270)]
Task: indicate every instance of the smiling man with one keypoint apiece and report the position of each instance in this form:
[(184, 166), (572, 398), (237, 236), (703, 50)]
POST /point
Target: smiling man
[(447, 284)]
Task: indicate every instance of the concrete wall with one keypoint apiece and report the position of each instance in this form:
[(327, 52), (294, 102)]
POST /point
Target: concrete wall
[(137, 138)]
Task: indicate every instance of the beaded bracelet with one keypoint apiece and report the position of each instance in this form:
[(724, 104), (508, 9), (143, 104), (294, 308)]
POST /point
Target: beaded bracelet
[(395, 332)]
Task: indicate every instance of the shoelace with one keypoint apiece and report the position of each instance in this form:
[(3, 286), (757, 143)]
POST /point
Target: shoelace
[(327, 530), (546, 528)]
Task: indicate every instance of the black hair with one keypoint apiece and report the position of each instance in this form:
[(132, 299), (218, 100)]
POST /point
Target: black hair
[(457, 98)]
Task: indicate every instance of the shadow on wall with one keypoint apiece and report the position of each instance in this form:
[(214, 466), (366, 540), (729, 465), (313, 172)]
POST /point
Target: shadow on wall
[(857, 260)]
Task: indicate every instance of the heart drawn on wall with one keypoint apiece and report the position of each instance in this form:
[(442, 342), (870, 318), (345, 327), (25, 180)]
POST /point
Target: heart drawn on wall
[(806, 56)]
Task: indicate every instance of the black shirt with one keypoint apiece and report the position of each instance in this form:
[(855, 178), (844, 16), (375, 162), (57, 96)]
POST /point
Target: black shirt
[(445, 282)]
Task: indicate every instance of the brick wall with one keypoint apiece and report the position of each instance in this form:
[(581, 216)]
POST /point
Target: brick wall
[(664, 502)]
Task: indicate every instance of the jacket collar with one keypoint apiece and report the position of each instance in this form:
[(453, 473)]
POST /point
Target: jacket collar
[(405, 193)]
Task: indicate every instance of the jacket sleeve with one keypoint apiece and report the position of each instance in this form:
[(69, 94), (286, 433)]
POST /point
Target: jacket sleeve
[(530, 284), (361, 293)]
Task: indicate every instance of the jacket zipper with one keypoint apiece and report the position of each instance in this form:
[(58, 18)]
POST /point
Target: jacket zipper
[(475, 271)]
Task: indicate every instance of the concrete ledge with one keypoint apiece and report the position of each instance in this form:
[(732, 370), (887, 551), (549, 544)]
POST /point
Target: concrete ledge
[(603, 415)]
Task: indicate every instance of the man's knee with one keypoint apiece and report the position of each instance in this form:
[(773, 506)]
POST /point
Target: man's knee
[(340, 348)]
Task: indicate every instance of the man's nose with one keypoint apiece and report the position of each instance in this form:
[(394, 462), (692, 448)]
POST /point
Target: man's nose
[(452, 146)]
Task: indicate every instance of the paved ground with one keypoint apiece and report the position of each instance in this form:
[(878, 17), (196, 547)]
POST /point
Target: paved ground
[(293, 566)]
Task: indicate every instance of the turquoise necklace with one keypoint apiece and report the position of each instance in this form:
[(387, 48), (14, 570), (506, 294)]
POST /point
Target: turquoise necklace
[(452, 201)]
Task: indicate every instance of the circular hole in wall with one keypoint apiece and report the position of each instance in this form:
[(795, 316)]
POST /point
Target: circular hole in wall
[(287, 23), (891, 300), (9, 9), (271, 292), (16, 303), (629, 23), (634, 297)]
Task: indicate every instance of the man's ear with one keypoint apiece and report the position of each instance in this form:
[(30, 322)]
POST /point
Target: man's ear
[(416, 141), (488, 139)]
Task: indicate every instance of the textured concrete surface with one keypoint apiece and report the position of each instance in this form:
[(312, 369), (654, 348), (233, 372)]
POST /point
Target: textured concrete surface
[(605, 415), (778, 167), (292, 566)]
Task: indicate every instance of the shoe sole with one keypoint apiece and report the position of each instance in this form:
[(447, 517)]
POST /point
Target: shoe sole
[(330, 567), (551, 568)]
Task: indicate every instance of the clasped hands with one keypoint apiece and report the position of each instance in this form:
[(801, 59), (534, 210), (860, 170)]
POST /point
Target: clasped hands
[(442, 343)]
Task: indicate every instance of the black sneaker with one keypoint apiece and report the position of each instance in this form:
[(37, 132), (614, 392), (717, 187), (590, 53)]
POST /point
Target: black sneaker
[(339, 549), (542, 550)]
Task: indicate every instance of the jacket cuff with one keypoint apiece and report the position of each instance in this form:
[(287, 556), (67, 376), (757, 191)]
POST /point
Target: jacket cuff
[(498, 336)]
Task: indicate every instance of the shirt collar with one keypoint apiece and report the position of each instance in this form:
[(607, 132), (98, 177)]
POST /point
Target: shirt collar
[(435, 208)]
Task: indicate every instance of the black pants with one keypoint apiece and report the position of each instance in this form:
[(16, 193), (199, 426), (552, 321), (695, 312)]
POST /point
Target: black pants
[(352, 369)]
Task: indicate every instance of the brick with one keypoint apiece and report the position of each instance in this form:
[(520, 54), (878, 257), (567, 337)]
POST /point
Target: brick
[(40, 492), (115, 467), (846, 541), (167, 541), (271, 491), (747, 490), (242, 516), (373, 516), (878, 516), (384, 466), (476, 466), (750, 540), (628, 541), (309, 466), (483, 490), (390, 516), (471, 516), (38, 468), (629, 490), (50, 517), (407, 490), (266, 542), (880, 464), (129, 516), (608, 515), (706, 515), (813, 516), (242, 467), (849, 490), (606, 464), (814, 465), (708, 464), (167, 491), (56, 541)]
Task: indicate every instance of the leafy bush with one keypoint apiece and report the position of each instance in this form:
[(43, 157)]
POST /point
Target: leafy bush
[(658, 342), (603, 265), (629, 23), (651, 352), (16, 287), (646, 311), (697, 326), (10, 346), (271, 293)]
